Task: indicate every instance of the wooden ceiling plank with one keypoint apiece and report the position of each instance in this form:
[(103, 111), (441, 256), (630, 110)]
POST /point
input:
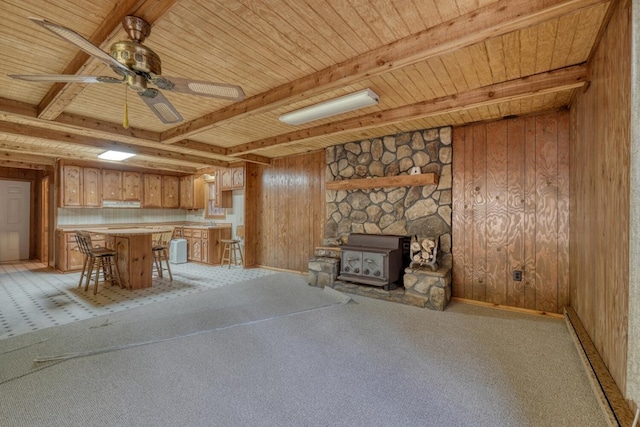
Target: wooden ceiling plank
[(491, 21), (548, 82), (61, 94)]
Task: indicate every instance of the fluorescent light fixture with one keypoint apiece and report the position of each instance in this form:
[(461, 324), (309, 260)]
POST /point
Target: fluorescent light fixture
[(343, 104), (115, 155)]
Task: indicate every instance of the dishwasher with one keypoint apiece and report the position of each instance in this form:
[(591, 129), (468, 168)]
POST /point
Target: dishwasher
[(178, 250)]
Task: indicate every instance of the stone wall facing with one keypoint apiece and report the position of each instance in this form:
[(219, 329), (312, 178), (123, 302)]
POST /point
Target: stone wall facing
[(424, 211)]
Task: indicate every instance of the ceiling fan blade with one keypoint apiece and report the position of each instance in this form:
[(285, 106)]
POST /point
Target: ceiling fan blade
[(82, 43), (194, 87), (160, 106), (65, 78)]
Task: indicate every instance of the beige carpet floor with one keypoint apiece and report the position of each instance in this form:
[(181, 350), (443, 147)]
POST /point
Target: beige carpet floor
[(275, 352)]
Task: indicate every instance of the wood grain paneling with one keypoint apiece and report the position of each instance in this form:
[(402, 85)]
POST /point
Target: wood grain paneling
[(283, 202), (506, 181), (599, 196)]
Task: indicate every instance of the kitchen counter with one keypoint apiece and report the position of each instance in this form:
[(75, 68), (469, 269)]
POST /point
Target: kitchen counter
[(98, 228)]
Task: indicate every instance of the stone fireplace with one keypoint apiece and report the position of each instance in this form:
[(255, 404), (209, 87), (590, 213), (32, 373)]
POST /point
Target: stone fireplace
[(423, 210)]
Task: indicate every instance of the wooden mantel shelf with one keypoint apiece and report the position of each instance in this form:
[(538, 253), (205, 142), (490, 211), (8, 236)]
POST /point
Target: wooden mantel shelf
[(385, 181)]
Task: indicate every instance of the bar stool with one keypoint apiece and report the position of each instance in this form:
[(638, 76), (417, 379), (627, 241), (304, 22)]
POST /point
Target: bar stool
[(97, 258), (230, 252), (160, 251)]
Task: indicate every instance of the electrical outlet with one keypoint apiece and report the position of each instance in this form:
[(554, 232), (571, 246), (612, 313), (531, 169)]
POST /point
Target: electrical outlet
[(517, 275)]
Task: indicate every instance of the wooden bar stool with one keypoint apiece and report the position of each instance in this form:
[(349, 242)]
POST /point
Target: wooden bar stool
[(160, 250), (97, 258), (230, 252)]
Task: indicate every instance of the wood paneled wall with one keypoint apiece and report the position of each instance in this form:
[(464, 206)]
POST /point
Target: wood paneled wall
[(600, 147), (511, 212), (285, 211)]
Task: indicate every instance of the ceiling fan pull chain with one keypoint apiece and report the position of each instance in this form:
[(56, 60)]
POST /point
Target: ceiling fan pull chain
[(125, 120)]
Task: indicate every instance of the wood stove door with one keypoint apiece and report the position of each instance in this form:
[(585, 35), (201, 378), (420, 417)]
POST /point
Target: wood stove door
[(373, 265), (351, 262)]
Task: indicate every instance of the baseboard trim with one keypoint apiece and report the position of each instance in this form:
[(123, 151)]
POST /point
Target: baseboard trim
[(612, 402), (508, 308)]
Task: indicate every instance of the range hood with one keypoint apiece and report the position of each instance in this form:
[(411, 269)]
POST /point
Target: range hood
[(120, 204)]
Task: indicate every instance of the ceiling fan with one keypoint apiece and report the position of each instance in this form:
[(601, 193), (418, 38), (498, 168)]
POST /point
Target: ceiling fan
[(138, 66)]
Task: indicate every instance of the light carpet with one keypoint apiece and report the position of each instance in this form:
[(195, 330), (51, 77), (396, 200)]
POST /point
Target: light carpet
[(275, 352)]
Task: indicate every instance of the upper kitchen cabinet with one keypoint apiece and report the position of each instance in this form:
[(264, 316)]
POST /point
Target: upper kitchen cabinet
[(91, 196), (232, 178), (152, 190), (80, 186), (170, 191), (191, 192), (237, 177), (131, 186), (111, 184)]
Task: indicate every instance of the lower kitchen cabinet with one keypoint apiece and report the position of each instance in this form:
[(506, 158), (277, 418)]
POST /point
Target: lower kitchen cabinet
[(68, 256), (203, 244)]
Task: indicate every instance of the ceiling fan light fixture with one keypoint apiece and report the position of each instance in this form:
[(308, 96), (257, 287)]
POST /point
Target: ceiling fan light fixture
[(115, 155), (343, 104)]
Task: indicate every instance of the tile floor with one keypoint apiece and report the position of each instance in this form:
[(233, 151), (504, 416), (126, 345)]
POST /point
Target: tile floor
[(33, 296)]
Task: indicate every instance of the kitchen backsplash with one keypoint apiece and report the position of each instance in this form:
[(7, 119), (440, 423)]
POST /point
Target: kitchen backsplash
[(67, 216)]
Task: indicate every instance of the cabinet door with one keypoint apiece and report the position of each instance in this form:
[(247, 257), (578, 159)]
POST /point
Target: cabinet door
[(111, 184), (170, 191), (196, 249), (204, 255), (226, 179), (91, 187), (74, 258), (186, 192), (152, 191), (131, 184), (238, 177), (71, 186)]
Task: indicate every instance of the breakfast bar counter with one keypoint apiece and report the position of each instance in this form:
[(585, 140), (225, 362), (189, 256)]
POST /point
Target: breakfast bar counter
[(133, 254)]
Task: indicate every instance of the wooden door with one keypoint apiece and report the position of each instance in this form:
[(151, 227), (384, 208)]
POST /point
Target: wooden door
[(131, 185), (14, 220), (152, 191), (44, 222), (91, 196)]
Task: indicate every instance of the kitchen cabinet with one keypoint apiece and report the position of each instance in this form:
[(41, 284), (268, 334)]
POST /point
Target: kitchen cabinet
[(80, 186), (71, 186), (170, 191), (191, 192), (111, 184), (237, 177), (203, 244), (68, 256), (131, 186), (232, 178), (91, 194), (152, 184)]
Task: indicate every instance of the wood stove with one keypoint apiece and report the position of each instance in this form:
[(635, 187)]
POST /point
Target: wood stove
[(374, 259)]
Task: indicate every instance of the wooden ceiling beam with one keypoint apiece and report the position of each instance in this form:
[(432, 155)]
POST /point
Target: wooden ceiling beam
[(491, 21), (69, 138), (25, 161), (61, 94), (539, 84)]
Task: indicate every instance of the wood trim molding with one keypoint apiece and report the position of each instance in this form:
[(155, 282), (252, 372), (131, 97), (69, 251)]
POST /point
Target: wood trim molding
[(385, 181), (611, 399)]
